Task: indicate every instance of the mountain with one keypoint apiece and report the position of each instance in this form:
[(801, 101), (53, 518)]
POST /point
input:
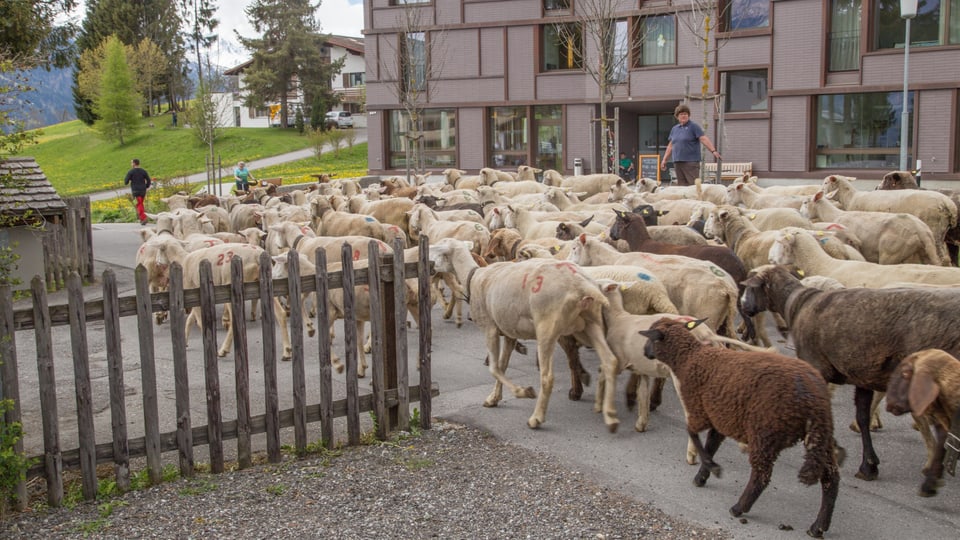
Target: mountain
[(51, 100)]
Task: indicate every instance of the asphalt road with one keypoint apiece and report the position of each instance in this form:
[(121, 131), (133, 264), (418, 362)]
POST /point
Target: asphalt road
[(649, 466)]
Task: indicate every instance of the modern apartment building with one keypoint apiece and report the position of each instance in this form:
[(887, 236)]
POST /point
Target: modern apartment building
[(810, 86)]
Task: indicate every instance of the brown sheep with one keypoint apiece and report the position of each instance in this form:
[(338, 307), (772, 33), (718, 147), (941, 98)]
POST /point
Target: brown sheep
[(762, 399), (927, 383)]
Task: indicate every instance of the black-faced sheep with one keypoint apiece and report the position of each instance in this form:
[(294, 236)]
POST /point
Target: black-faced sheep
[(830, 332), (927, 383), (763, 399)]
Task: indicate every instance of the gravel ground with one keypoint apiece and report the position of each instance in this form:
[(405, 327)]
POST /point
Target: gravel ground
[(450, 482)]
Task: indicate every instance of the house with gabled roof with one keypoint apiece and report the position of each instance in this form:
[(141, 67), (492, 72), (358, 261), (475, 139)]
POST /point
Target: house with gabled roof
[(349, 84)]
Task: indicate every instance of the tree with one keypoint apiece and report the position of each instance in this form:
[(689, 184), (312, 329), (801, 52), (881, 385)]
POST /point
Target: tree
[(419, 60), (200, 18), (596, 24), (30, 34), (118, 103), (287, 57), (207, 110), (150, 65)]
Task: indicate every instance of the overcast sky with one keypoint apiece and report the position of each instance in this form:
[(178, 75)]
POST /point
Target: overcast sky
[(340, 17)]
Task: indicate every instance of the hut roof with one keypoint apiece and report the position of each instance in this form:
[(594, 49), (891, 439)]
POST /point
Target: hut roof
[(24, 187)]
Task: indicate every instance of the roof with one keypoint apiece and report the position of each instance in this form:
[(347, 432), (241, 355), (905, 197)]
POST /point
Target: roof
[(351, 44), (29, 189)]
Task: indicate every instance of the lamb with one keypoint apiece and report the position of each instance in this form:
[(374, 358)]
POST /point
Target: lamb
[(803, 251), (849, 351), (738, 193), (536, 299), (934, 209), (927, 383), (885, 238), (763, 399)]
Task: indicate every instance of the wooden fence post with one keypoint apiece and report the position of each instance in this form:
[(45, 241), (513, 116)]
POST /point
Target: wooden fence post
[(181, 374), (324, 344), (241, 368), (268, 331), (53, 458), (208, 317), (118, 407), (402, 379), (10, 378), (81, 379), (148, 375), (426, 332), (296, 343), (350, 345), (377, 360)]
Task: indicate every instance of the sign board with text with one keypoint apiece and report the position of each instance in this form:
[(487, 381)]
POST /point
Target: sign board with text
[(649, 166)]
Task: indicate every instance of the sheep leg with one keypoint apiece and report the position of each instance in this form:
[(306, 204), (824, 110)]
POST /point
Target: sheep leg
[(228, 334), (362, 367), (707, 465), (498, 365), (934, 473), (644, 384), (829, 488), (545, 361), (594, 336), (922, 424), (656, 394), (875, 423), (869, 464), (578, 376), (631, 390), (761, 469), (283, 321)]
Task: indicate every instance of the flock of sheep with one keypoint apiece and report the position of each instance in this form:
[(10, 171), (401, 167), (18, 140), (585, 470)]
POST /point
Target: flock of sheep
[(661, 282)]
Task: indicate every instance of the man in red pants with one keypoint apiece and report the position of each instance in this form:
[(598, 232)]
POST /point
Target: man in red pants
[(139, 182)]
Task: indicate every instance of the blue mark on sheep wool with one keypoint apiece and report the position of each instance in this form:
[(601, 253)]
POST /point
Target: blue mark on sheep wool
[(369, 219), (644, 277)]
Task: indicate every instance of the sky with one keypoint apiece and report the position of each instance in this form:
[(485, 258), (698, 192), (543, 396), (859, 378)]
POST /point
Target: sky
[(339, 17)]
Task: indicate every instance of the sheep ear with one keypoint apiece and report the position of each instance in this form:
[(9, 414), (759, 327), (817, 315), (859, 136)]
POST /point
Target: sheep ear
[(586, 222), (690, 325), (651, 334), (752, 281), (923, 391)]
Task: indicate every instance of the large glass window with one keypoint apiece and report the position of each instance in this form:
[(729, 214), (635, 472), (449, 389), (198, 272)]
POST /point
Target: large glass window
[(414, 61), (657, 38), (860, 131), (745, 14), (352, 80), (747, 90), (556, 5), (937, 23), (844, 35), (619, 51), (561, 47), (438, 128), (509, 136), (548, 123)]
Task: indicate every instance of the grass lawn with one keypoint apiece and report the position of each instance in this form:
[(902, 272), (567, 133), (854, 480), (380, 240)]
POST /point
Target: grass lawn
[(77, 161)]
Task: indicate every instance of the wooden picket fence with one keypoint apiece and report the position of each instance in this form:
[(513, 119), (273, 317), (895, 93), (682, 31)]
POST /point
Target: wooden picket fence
[(389, 399)]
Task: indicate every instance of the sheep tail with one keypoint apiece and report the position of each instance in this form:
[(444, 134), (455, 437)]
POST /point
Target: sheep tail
[(820, 447)]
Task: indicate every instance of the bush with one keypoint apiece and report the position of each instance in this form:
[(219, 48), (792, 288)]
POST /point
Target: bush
[(13, 465), (336, 137), (318, 139)]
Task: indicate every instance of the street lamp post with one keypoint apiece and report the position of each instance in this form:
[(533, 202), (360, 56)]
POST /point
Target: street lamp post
[(908, 10)]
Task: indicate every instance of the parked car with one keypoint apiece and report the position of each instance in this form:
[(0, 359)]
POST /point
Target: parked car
[(339, 119)]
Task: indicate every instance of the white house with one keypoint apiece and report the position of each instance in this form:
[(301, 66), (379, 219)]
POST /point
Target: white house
[(349, 84)]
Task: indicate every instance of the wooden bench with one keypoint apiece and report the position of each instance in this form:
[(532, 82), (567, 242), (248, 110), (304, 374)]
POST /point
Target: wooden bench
[(728, 170)]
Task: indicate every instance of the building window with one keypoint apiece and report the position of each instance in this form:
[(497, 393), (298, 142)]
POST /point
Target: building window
[(657, 37), (405, 2), (414, 61), (438, 127), (352, 80), (745, 14), (937, 23), (619, 51), (548, 126), (845, 35), (860, 131), (259, 112), (509, 136), (561, 48), (746, 90), (556, 5)]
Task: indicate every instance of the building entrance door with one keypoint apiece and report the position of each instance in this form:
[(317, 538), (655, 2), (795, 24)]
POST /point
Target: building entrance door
[(654, 133), (548, 129)]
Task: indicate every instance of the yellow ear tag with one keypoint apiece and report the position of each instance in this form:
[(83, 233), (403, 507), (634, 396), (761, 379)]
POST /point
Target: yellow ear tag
[(691, 325), (557, 247), (624, 287), (819, 233), (788, 237), (801, 273), (753, 216), (603, 235)]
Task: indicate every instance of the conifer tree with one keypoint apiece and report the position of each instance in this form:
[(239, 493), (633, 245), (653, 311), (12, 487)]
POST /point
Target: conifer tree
[(118, 104)]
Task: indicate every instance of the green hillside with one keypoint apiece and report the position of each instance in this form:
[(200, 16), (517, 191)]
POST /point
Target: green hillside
[(77, 161)]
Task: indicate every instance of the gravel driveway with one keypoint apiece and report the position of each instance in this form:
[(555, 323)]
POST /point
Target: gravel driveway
[(450, 482)]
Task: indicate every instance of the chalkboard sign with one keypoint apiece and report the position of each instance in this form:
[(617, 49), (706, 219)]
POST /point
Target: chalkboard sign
[(650, 166)]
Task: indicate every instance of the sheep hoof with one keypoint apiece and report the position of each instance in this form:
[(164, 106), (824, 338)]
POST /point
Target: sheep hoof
[(311, 332), (287, 359), (575, 394), (459, 324), (527, 392), (520, 348), (533, 423), (489, 403), (867, 473), (613, 426), (339, 369), (815, 532), (735, 510), (640, 428), (585, 378)]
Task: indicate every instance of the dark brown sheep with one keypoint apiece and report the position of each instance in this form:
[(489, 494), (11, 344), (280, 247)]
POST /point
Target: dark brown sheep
[(632, 228), (765, 400), (927, 383), (857, 336)]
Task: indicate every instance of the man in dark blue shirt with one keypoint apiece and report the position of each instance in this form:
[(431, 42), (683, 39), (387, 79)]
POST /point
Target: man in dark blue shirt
[(685, 140), (139, 181)]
